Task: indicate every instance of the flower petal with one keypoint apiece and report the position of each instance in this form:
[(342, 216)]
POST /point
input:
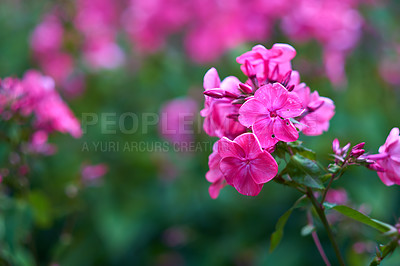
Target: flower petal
[(263, 129), (215, 188), (237, 174), (263, 168), (292, 107), (249, 144), (211, 79), (251, 111), (284, 130), (228, 148), (273, 96)]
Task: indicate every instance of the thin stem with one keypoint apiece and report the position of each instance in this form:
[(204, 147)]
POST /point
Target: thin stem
[(330, 183), (316, 241), (321, 214)]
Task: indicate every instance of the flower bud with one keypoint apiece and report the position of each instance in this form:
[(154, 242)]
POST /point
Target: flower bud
[(359, 146), (356, 153), (336, 146), (245, 88), (251, 73), (214, 93)]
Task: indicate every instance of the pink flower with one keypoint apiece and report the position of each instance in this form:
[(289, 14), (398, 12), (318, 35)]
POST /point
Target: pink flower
[(245, 165), (319, 110), (268, 114), (337, 196), (39, 144), (93, 172), (389, 159), (214, 175), (177, 118), (216, 111), (270, 64)]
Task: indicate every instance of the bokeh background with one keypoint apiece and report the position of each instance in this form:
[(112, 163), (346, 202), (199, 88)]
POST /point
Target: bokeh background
[(152, 206)]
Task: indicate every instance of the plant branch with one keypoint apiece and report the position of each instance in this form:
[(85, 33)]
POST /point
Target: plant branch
[(321, 214)]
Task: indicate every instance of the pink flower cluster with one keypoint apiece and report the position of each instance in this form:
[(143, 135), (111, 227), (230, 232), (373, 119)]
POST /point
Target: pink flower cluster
[(35, 95), (252, 117), (388, 159), (176, 120), (209, 29)]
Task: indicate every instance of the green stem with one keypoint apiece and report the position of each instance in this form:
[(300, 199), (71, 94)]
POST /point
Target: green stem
[(321, 214)]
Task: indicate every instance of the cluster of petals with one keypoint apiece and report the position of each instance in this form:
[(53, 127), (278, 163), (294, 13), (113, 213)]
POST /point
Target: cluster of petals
[(272, 104), (388, 159), (35, 95), (209, 28)]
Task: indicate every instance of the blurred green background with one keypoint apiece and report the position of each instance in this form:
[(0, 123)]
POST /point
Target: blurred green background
[(153, 208)]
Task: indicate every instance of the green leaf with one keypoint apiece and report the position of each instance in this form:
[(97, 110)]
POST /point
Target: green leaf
[(297, 148), (362, 218), (278, 233), (304, 171)]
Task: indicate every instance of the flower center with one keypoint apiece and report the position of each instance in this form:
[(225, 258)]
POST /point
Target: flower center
[(273, 114)]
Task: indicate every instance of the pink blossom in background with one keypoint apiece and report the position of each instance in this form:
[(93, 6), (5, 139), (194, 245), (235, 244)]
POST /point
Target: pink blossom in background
[(336, 24), (47, 37), (35, 95), (177, 120), (319, 111), (51, 113), (98, 21), (208, 29), (39, 144), (214, 175), (389, 68), (216, 111), (245, 165), (93, 172), (389, 159), (268, 114), (336, 196)]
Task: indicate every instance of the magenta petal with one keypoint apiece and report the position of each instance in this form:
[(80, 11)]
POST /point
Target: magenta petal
[(228, 148), (231, 84), (392, 138), (211, 79), (215, 188), (263, 168), (263, 129), (249, 144), (284, 130), (251, 111), (287, 52), (237, 175), (273, 96), (291, 108)]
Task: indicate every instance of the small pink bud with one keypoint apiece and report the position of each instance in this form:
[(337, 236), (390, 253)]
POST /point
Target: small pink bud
[(359, 146), (336, 146), (230, 95), (357, 153), (286, 78), (214, 93), (346, 148), (251, 73), (245, 88)]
